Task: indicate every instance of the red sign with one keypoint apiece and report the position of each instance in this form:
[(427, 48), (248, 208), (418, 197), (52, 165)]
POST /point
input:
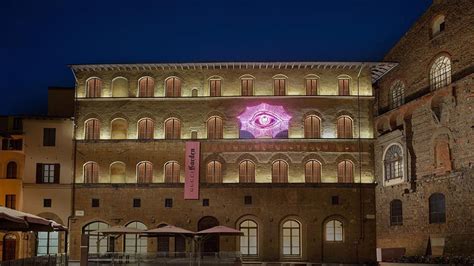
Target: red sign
[(191, 183)]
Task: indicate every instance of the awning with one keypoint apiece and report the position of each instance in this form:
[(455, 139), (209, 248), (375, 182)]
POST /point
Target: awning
[(118, 230), (13, 220), (220, 230), (169, 230)]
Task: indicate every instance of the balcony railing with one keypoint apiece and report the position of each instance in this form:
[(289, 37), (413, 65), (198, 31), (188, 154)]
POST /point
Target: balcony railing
[(48, 260), (165, 258)]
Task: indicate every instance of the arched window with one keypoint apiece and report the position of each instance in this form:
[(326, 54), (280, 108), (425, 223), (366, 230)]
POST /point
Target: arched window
[(440, 73), (334, 231), (92, 129), (173, 87), (311, 86), (117, 172), (48, 243), (247, 171), (312, 170), (279, 86), (279, 172), (144, 172), (134, 244), (172, 128), (93, 88), (393, 162), (437, 209), (344, 127), (438, 25), (119, 87), (146, 87), (12, 170), (343, 85), (119, 128), (215, 128), (214, 172), (345, 172), (246, 85), (96, 244), (312, 127), (172, 172), (146, 128), (397, 94), (91, 173), (291, 244), (396, 212), (9, 251), (215, 87), (249, 241)]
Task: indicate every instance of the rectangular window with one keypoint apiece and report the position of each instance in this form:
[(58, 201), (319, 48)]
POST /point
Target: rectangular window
[(12, 144), (168, 203), (47, 203), (279, 87), (48, 243), (247, 87), (10, 201), (49, 137), (335, 200), (344, 87), (312, 87), (205, 202), (95, 203), (137, 203), (215, 87), (248, 200), (47, 173)]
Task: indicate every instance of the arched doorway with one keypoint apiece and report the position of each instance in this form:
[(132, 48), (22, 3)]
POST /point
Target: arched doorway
[(9, 247), (163, 242), (212, 243)]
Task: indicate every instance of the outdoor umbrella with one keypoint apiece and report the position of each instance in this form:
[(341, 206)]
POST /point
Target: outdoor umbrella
[(169, 230), (220, 230), (13, 220), (118, 230)]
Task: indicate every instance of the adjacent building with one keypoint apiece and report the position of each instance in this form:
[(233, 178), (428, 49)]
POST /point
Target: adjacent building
[(286, 156), (424, 130)]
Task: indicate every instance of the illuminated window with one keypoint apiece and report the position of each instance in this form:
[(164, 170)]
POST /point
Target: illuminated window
[(393, 162), (291, 244), (172, 128), (279, 172), (144, 172), (92, 129), (97, 244), (440, 74), (134, 244), (48, 243), (172, 172), (246, 85), (146, 128), (345, 172), (397, 94), (214, 128), (334, 231), (146, 87), (91, 172), (312, 127), (438, 25), (437, 208), (312, 171), (279, 86), (249, 241), (119, 128), (173, 87), (93, 88), (117, 172), (247, 172), (119, 87), (344, 86), (396, 212), (311, 86), (344, 127), (215, 87), (12, 170), (214, 172)]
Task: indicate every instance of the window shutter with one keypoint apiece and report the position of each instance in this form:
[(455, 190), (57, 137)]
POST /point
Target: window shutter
[(39, 173), (340, 172), (340, 128), (57, 170), (219, 129), (250, 172), (347, 127)]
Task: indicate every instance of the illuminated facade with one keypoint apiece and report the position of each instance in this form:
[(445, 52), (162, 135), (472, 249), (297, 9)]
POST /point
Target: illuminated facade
[(286, 155)]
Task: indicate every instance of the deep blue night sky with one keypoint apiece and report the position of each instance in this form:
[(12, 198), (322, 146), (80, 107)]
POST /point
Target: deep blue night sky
[(39, 38)]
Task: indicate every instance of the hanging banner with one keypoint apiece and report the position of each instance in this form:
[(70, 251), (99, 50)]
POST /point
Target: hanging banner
[(191, 183)]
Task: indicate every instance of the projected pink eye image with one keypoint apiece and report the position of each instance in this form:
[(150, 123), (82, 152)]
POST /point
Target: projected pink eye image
[(264, 121)]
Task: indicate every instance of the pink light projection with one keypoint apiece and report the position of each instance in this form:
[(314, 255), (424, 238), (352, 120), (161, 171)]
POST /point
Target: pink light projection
[(264, 120)]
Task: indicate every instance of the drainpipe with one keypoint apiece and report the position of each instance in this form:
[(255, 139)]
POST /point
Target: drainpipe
[(361, 205)]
